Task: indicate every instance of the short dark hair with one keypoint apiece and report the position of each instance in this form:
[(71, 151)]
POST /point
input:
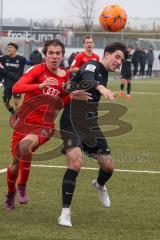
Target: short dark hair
[(116, 46), (88, 37), (13, 45), (54, 42), (130, 46)]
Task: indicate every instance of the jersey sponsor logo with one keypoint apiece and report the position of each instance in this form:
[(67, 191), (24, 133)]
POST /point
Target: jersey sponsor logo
[(90, 67), (49, 90), (15, 65)]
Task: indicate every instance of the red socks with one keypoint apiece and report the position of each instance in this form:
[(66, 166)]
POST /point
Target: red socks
[(11, 180), (24, 171)]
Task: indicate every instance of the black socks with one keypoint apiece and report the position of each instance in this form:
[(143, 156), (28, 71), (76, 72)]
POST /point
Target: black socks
[(68, 186), (122, 86), (103, 177), (128, 88)]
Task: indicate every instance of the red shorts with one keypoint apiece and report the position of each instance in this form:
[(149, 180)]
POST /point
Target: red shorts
[(44, 134)]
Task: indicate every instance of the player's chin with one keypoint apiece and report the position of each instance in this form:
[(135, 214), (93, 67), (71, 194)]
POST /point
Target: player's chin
[(55, 64), (113, 69)]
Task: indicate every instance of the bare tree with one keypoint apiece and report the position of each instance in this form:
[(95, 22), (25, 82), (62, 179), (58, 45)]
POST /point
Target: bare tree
[(85, 10)]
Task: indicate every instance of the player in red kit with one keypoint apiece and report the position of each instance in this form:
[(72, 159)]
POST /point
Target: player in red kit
[(43, 87), (85, 56)]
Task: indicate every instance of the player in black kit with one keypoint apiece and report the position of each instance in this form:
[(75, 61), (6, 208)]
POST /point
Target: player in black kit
[(11, 69), (80, 130), (126, 73)]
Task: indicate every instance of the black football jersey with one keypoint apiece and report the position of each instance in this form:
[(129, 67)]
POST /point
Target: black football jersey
[(14, 65), (90, 75)]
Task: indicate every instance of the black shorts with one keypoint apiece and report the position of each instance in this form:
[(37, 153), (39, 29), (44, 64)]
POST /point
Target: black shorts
[(7, 94), (126, 74), (83, 133)]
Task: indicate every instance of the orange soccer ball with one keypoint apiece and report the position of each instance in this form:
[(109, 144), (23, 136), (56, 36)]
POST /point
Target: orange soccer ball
[(113, 18)]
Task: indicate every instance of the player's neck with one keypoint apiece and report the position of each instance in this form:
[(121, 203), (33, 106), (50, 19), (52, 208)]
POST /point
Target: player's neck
[(54, 70), (89, 53), (12, 55), (59, 72), (105, 63)]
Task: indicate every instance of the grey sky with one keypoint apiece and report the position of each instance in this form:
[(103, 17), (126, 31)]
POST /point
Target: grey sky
[(60, 9)]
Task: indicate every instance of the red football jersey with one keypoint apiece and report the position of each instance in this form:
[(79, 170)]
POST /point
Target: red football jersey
[(39, 105), (82, 58)]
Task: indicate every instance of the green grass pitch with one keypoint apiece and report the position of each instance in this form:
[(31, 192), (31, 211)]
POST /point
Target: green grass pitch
[(134, 213)]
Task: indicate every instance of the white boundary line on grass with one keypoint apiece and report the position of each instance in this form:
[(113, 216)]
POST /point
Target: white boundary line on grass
[(3, 170), (89, 168), (144, 93)]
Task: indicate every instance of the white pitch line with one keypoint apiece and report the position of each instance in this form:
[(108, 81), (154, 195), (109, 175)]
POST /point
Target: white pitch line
[(95, 169), (90, 168), (145, 93), (137, 171), (3, 170)]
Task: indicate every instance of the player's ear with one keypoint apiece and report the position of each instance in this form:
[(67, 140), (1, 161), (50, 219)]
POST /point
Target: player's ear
[(106, 54)]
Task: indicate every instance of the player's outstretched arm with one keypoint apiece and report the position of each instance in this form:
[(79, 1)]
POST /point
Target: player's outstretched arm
[(81, 95), (26, 82), (76, 95), (106, 92)]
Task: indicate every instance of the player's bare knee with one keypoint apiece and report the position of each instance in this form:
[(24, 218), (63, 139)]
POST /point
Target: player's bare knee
[(109, 168), (107, 163), (25, 146), (75, 165), (75, 160)]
